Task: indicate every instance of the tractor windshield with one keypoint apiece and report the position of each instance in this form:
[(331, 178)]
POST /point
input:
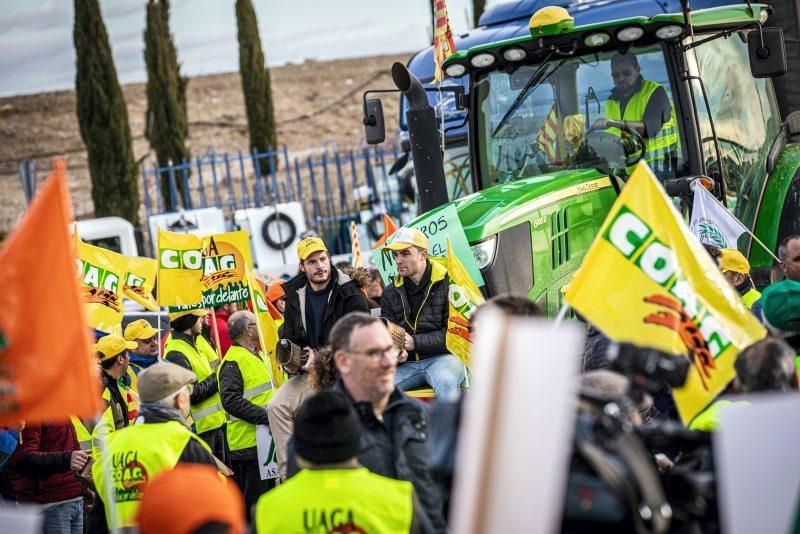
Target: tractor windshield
[(538, 119)]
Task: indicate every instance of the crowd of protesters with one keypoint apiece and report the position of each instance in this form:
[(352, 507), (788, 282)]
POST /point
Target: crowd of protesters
[(175, 447)]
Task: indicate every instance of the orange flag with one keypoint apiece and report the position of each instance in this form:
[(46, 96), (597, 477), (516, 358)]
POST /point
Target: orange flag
[(47, 369), (389, 227)]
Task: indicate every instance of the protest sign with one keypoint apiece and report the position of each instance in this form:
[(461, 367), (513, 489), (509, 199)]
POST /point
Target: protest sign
[(515, 443), (437, 227), (646, 280), (463, 297), (180, 269), (47, 368), (140, 279), (267, 453), (101, 273)]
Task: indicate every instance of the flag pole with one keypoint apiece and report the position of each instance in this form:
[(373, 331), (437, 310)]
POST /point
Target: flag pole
[(252, 283), (562, 313), (158, 293), (215, 329)]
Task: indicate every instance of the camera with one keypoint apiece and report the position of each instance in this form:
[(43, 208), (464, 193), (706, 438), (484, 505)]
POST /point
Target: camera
[(651, 364)]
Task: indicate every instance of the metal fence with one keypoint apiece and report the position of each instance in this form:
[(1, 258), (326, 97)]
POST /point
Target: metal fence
[(333, 186)]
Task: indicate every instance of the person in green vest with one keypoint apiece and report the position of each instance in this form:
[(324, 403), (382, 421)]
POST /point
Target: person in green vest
[(138, 453), (736, 270), (188, 348), (333, 492), (245, 385), (644, 106)]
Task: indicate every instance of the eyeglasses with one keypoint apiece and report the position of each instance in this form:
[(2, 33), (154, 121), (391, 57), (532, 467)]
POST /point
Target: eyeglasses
[(375, 354), (621, 73)]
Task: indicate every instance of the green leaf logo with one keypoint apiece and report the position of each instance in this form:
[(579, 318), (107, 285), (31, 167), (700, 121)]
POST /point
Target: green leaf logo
[(709, 232)]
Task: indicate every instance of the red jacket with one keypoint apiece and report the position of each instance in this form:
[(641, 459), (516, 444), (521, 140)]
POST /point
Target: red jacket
[(39, 469), (222, 327)]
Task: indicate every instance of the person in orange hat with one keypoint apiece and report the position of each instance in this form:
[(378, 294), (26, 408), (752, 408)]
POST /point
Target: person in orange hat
[(277, 296), (191, 498)]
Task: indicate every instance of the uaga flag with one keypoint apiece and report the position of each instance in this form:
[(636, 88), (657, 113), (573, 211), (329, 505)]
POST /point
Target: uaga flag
[(463, 297), (648, 281), (140, 279), (443, 45), (101, 273), (47, 368), (712, 223), (180, 269), (268, 328)]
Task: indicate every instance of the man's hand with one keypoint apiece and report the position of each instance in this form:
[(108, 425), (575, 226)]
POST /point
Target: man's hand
[(311, 357), (402, 356), (408, 342), (77, 460)]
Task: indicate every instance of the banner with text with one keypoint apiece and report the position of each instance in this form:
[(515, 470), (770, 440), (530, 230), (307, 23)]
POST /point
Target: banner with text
[(101, 273)]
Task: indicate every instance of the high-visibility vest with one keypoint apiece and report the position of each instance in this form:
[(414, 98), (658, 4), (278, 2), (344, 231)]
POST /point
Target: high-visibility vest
[(751, 297), (208, 414), (320, 500), (658, 144), (136, 455), (105, 427), (708, 419), (258, 390), (82, 433)]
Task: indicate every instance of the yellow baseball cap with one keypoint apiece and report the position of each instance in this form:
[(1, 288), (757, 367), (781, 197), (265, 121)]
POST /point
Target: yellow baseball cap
[(405, 238), (310, 245), (139, 329), (111, 345), (734, 261), (202, 312)]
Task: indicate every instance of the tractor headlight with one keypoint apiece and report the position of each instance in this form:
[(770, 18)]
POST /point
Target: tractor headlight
[(483, 252)]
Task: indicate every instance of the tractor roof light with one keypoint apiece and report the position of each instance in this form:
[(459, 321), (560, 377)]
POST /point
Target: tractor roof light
[(596, 39), (669, 32), (630, 34), (456, 70), (550, 20), (482, 60), (514, 53)]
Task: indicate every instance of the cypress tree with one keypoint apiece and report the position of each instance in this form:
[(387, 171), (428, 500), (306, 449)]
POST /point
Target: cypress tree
[(103, 118), (477, 10), (255, 83), (167, 126)]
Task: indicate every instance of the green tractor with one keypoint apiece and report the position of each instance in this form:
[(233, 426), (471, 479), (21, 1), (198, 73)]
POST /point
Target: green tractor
[(546, 171)]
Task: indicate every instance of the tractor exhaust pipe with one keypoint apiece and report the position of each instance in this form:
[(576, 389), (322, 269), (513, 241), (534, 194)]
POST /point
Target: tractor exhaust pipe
[(424, 138)]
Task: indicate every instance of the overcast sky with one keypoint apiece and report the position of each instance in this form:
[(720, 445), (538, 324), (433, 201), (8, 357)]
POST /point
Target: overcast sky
[(37, 53)]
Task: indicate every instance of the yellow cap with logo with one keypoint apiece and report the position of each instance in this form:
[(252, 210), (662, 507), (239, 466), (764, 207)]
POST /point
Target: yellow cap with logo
[(310, 245), (734, 261), (111, 345), (405, 238), (202, 312), (139, 329)]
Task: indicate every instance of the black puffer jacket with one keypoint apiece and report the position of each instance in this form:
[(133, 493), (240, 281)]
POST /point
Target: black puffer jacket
[(344, 298), (430, 326)]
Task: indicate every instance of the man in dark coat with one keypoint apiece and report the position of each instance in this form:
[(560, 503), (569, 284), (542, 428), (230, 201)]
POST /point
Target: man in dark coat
[(417, 300)]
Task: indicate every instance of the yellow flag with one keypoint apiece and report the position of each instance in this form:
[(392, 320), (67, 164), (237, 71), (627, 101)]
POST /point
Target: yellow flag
[(140, 279), (646, 280), (101, 274), (267, 327), (180, 269), (463, 296)]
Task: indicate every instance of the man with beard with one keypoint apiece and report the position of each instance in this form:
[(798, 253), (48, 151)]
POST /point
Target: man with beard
[(642, 105)]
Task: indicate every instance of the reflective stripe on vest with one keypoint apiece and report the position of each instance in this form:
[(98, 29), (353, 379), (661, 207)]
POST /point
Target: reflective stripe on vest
[(258, 390), (136, 455), (751, 297), (82, 433), (665, 141), (208, 414), (343, 500)]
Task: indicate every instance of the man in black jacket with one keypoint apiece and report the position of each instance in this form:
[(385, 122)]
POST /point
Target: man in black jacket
[(417, 300), (394, 433), (317, 297)]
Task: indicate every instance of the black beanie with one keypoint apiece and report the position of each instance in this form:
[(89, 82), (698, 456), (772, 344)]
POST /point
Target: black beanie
[(184, 322), (326, 429)]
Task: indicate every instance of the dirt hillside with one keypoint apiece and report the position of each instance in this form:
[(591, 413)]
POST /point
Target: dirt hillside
[(316, 104)]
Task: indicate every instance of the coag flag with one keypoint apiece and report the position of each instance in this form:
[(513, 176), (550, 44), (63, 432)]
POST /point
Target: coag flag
[(355, 246), (389, 228), (140, 279), (268, 328), (47, 369), (463, 296), (443, 45), (101, 273), (648, 281), (712, 223), (180, 269)]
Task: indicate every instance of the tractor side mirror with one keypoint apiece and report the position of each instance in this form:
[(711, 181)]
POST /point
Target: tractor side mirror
[(767, 52), (374, 128)]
